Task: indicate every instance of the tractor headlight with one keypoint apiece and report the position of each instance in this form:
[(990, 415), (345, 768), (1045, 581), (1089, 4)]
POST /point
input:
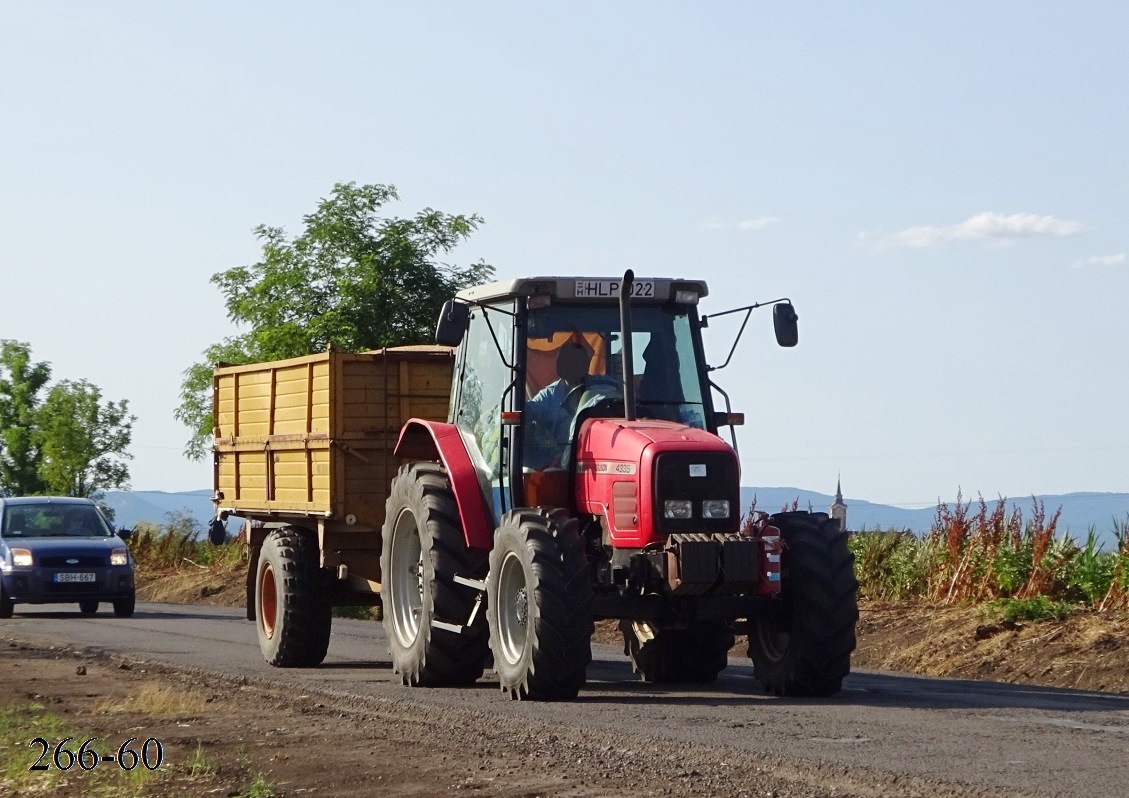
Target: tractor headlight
[(715, 508), (119, 557), (21, 558), (678, 508)]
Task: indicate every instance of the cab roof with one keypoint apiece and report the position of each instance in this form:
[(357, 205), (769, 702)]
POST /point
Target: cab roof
[(583, 289)]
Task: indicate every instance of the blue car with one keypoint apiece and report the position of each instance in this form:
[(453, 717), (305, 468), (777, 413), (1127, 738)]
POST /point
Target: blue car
[(60, 550)]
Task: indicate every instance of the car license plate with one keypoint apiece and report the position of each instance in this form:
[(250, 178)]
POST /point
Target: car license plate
[(594, 289), (76, 577)]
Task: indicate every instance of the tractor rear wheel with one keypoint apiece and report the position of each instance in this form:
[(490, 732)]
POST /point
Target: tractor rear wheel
[(807, 651), (292, 614), (423, 549), (692, 655), (539, 605)]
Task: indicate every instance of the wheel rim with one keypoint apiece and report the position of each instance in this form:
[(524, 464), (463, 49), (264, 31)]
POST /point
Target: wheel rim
[(406, 579), (268, 600), (513, 610), (772, 640)]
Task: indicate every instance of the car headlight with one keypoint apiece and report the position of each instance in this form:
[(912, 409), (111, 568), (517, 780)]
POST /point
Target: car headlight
[(715, 508), (119, 557), (677, 508), (21, 558)]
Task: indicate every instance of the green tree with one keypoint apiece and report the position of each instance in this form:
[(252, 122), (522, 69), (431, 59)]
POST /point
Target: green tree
[(353, 278), (70, 443), (84, 440), (21, 382)]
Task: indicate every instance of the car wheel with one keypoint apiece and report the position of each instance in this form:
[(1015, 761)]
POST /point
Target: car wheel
[(88, 607), (6, 604), (123, 608)]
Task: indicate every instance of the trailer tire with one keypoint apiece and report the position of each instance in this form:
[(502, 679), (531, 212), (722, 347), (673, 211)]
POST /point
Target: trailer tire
[(422, 551), (693, 655), (293, 615), (807, 650), (88, 607), (539, 605)]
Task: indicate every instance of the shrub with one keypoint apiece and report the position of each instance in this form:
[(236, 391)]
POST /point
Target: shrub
[(1038, 608)]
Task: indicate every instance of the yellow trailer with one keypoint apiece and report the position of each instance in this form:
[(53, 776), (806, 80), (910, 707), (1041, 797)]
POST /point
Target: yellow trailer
[(303, 448)]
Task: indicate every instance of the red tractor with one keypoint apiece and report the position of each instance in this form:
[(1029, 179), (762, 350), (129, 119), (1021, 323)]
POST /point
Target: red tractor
[(580, 477)]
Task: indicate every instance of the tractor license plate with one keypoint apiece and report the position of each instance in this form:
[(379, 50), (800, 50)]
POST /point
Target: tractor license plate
[(76, 577), (609, 289)]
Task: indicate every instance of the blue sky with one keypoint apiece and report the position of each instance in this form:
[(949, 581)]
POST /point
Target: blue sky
[(942, 189)]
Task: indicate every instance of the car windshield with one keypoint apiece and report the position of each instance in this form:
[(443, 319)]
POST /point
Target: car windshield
[(53, 520)]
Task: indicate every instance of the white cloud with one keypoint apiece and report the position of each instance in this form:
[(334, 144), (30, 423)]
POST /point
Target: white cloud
[(987, 226), (1101, 260), (759, 223)]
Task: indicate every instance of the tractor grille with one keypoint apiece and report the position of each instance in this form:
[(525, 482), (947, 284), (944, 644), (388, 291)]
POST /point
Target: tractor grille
[(715, 476)]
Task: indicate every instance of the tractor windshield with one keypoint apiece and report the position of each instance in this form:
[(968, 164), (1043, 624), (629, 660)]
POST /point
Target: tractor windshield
[(573, 360)]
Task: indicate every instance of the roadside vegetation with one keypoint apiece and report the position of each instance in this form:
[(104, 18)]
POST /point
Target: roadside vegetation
[(177, 543), (1022, 568)]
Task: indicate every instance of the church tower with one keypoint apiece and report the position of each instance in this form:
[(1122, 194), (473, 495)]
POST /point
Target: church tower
[(838, 509)]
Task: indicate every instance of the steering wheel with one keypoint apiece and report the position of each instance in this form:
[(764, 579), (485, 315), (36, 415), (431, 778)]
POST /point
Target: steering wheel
[(597, 383)]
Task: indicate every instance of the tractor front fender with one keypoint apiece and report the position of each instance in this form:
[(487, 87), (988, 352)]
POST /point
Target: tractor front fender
[(438, 441)]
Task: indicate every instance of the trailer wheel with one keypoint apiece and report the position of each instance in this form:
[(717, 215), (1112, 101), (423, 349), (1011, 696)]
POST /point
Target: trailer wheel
[(694, 655), (539, 605), (807, 651), (423, 549), (88, 607), (292, 613)]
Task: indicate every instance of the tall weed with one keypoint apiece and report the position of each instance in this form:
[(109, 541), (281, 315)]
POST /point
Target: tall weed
[(177, 543), (990, 553)]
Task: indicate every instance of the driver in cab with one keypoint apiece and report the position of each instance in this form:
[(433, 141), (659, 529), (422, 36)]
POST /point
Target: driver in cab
[(552, 410)]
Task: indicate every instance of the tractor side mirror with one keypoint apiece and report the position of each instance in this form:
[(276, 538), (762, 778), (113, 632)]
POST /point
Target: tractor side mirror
[(784, 320), (453, 321)]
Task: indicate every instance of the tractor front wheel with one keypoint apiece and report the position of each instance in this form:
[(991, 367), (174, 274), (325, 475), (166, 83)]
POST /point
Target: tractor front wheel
[(292, 613), (807, 650), (539, 605), (422, 552)]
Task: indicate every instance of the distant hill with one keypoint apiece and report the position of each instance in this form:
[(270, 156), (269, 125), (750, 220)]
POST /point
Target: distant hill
[(1080, 511), (154, 506)]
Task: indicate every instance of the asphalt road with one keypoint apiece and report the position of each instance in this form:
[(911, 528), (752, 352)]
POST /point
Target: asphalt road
[(979, 737)]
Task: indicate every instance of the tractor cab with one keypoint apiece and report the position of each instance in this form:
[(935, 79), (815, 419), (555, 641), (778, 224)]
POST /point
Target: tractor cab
[(537, 357)]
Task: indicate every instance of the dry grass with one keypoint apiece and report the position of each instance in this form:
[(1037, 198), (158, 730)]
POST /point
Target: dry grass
[(155, 698)]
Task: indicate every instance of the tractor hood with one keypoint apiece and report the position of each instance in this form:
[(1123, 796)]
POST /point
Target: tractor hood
[(627, 470)]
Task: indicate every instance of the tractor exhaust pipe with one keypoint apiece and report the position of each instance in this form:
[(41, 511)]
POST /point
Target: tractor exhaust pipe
[(625, 344)]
